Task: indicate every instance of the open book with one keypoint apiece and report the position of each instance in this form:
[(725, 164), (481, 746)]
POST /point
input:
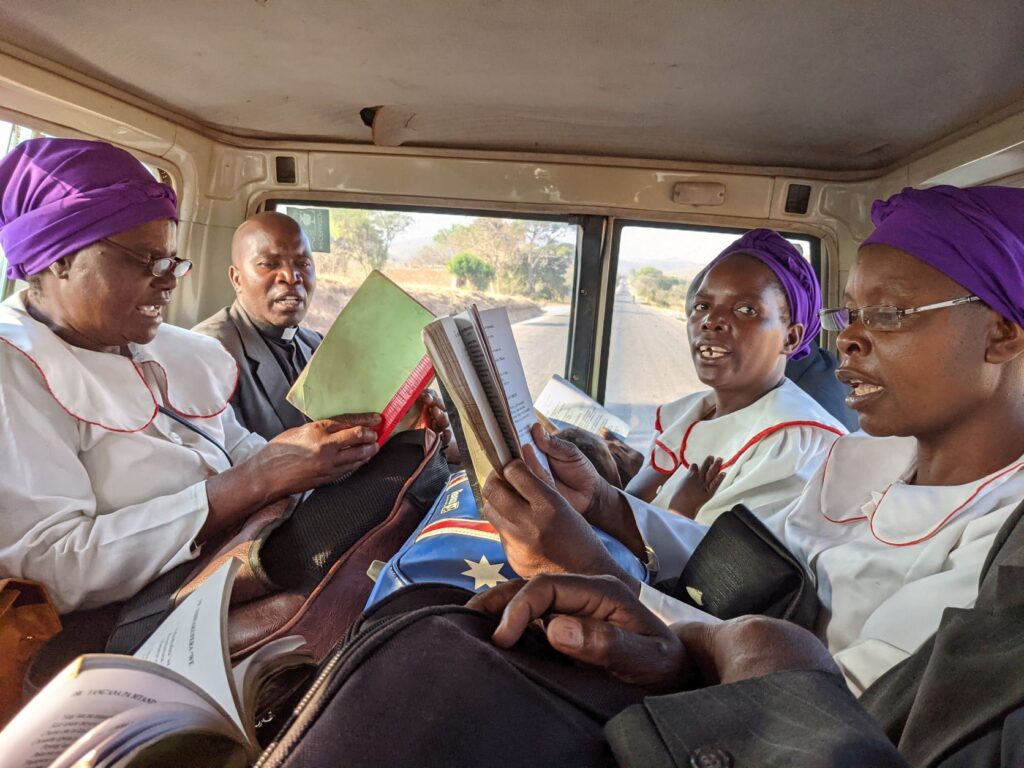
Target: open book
[(477, 362), (372, 359), (176, 702), (565, 405)]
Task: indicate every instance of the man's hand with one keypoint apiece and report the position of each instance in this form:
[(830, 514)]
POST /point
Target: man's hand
[(752, 646), (697, 488), (317, 453), (587, 492), (596, 620), (629, 460), (540, 531), (575, 477)]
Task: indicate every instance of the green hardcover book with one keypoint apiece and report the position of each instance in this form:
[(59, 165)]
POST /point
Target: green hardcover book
[(371, 360)]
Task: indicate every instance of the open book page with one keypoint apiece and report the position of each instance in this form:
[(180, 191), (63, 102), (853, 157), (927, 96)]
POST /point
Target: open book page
[(504, 356), (455, 364), (565, 405), (272, 673), (490, 383), (191, 641), (93, 689), (142, 735)]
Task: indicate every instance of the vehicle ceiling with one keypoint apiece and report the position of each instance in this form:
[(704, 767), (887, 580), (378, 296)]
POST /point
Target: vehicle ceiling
[(802, 83)]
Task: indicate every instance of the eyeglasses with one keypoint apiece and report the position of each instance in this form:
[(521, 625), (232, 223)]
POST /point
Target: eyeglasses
[(157, 267), (881, 318)]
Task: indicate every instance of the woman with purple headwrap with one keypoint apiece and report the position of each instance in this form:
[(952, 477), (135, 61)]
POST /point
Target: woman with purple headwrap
[(106, 481), (896, 524), (753, 308)]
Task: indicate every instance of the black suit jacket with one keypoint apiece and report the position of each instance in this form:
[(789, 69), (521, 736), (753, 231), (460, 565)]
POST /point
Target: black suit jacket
[(259, 401), (957, 702)]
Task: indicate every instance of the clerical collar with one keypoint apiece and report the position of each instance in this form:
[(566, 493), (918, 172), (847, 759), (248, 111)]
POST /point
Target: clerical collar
[(272, 332)]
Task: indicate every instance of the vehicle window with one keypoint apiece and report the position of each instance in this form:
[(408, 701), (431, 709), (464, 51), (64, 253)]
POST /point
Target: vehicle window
[(448, 262), (648, 358)]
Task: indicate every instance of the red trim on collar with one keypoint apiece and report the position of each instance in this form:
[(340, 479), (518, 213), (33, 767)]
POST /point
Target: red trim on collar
[(657, 420), (824, 472), (665, 448), (946, 519), (754, 440), (46, 383), (170, 405)]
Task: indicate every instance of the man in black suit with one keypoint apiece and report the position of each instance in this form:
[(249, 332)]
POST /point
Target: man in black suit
[(759, 692), (274, 277)]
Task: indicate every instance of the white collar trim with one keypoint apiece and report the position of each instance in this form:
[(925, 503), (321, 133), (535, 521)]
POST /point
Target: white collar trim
[(109, 390)]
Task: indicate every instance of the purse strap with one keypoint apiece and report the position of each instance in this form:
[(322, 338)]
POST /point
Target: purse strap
[(198, 430)]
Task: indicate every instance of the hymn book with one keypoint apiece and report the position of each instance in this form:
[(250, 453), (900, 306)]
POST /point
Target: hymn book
[(175, 702), (565, 405), (477, 361), (372, 359)]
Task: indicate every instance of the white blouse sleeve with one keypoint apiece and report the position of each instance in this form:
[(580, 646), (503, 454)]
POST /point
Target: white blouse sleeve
[(903, 622), (773, 474), (672, 537), (50, 530), (672, 611), (240, 443)]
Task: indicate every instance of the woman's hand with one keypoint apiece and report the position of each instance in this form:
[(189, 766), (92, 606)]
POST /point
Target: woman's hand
[(697, 488), (646, 483), (629, 460), (297, 460), (596, 620), (318, 453), (434, 416)]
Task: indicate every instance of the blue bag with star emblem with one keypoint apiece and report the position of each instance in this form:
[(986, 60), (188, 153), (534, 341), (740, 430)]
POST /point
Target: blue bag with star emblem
[(454, 545)]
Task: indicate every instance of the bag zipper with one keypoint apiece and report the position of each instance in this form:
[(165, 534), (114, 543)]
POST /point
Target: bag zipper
[(310, 706)]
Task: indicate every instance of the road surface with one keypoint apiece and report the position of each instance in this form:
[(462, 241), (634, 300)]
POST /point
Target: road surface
[(648, 364)]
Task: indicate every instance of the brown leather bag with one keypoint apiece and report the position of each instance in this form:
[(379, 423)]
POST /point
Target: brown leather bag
[(27, 620), (305, 565)]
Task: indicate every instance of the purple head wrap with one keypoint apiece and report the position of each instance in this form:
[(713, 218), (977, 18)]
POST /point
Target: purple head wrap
[(59, 195), (973, 236), (799, 283)]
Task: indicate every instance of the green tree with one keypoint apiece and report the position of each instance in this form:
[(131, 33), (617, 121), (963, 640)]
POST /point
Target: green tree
[(366, 236), (528, 257), (468, 267), (655, 287)]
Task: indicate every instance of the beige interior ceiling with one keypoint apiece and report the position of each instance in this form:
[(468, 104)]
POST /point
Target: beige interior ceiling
[(802, 83)]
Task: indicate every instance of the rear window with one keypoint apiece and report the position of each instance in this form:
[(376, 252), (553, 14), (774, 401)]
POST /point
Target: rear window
[(448, 261)]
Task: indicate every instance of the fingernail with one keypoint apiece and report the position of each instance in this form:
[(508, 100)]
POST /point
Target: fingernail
[(567, 632)]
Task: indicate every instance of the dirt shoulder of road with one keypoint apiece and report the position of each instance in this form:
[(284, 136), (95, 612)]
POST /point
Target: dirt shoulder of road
[(331, 296)]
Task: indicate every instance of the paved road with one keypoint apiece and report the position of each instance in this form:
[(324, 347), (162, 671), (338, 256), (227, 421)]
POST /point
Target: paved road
[(648, 365)]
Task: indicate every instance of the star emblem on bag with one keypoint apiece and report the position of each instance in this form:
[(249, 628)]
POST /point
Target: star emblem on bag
[(483, 573)]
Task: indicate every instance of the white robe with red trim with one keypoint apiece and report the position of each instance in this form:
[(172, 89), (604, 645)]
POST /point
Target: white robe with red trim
[(771, 448), (888, 557), (100, 493)]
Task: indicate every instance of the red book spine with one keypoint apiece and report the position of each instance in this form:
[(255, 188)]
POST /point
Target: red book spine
[(404, 399)]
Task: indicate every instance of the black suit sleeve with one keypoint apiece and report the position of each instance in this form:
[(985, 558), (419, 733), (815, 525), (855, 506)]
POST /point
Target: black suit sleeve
[(793, 719)]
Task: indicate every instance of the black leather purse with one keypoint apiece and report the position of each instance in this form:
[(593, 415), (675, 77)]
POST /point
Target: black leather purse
[(740, 568)]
